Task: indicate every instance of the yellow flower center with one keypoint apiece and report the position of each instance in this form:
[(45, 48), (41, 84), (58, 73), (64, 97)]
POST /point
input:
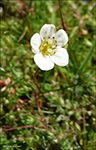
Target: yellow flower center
[(48, 46)]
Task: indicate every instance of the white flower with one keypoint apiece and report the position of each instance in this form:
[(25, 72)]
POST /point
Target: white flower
[(47, 47)]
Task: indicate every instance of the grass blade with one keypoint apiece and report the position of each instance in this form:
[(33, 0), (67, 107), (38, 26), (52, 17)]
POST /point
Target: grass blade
[(84, 63)]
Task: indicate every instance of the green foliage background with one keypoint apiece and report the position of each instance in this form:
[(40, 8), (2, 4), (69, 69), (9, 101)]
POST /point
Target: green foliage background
[(67, 119)]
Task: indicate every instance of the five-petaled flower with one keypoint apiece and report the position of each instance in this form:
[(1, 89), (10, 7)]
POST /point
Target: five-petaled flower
[(47, 47)]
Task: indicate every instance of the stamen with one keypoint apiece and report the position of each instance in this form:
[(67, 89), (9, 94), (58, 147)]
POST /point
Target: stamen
[(53, 37), (47, 47), (49, 50), (53, 46)]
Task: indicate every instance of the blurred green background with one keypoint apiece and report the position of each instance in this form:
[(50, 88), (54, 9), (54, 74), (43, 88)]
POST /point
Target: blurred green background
[(67, 118)]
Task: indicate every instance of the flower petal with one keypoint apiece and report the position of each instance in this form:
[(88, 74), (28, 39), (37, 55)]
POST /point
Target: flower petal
[(35, 42), (61, 57), (44, 63), (61, 37), (47, 30)]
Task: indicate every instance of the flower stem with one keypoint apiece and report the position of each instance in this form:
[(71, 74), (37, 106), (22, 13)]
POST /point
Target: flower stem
[(38, 106), (64, 27), (84, 130)]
